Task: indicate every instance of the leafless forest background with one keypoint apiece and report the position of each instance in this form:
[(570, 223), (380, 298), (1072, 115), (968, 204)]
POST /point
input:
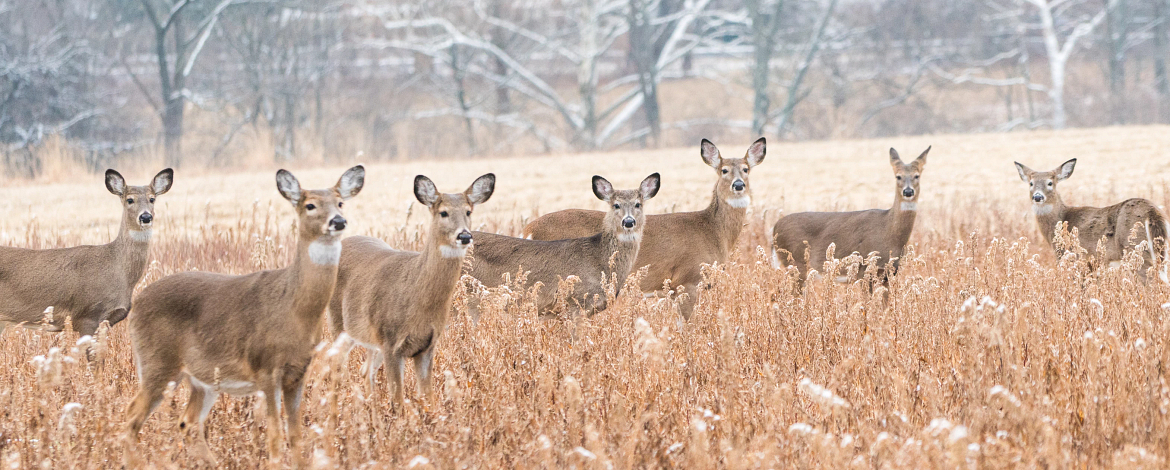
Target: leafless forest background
[(243, 83)]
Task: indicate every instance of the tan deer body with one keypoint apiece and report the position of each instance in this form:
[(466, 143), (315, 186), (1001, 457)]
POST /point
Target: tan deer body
[(884, 231), (550, 261), (91, 283), (242, 334), (1113, 223), (675, 246), (395, 302)]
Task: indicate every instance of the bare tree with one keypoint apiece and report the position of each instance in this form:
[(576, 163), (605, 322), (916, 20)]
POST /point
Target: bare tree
[(1060, 41), (765, 26)]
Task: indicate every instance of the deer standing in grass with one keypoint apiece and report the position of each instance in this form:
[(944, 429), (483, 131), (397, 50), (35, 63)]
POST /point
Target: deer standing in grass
[(242, 334), (1113, 223), (90, 284), (395, 303), (675, 246), (587, 257), (884, 231)]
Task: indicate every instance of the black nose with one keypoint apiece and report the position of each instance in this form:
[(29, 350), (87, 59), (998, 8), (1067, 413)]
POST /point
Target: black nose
[(628, 222), (737, 185), (145, 218), (908, 192), (464, 238), (1038, 197), (337, 223)]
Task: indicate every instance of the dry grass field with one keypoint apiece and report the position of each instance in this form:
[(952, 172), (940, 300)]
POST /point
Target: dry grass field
[(991, 353)]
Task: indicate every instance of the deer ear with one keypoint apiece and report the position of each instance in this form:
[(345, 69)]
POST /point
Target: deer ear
[(921, 160), (1066, 170), (425, 191), (1025, 172), (115, 183), (162, 181), (351, 182), (650, 185), (755, 153), (288, 186), (601, 188), (481, 189), (710, 154), (894, 158)]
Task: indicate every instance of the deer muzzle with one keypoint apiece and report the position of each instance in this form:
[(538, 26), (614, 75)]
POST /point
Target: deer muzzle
[(628, 222), (738, 185), (1038, 197), (145, 218), (337, 223), (907, 193), (464, 238)]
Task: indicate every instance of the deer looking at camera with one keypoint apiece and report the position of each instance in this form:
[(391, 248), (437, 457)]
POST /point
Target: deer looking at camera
[(1094, 224), (395, 303), (89, 284), (588, 258), (881, 231), (677, 245), (242, 334)]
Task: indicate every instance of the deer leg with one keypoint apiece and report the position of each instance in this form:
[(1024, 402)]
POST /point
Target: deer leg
[(198, 407), (374, 359), (293, 391), (272, 418), (150, 393), (422, 370), (394, 373)]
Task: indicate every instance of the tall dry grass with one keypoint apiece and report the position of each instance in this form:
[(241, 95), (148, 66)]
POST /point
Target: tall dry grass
[(990, 352)]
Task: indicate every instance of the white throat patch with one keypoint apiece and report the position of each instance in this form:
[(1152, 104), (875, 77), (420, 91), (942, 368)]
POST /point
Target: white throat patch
[(740, 202), (629, 237), (909, 206), (452, 251), (1042, 209), (141, 235), (325, 253)]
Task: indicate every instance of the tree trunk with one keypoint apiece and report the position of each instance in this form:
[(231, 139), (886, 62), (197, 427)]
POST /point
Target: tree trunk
[(642, 46), (173, 132), (764, 28), (1116, 34), (1161, 15)]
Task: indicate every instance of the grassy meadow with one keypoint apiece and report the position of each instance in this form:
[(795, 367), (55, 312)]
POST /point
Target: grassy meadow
[(990, 353)]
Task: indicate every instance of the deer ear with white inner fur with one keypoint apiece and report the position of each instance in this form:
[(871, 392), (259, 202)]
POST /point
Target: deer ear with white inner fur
[(481, 189), (162, 181), (601, 188), (351, 182), (1025, 172), (1066, 170), (425, 191), (921, 160), (895, 159), (288, 186), (755, 153), (115, 183), (710, 154), (650, 185)]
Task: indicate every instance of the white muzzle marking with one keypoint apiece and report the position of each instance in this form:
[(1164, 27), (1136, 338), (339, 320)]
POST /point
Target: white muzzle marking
[(141, 235), (909, 206), (740, 202), (629, 237), (1042, 209), (453, 251), (325, 253)]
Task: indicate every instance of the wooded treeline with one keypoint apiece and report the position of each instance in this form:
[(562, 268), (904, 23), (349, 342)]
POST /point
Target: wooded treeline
[(216, 82)]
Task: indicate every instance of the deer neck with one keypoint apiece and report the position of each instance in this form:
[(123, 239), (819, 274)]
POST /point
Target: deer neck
[(1049, 213), (728, 219), (626, 245), (131, 250), (901, 219), (312, 277), (439, 266)]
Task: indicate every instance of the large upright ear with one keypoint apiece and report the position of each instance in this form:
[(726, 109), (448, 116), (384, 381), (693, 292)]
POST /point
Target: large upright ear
[(755, 153), (1066, 170), (1025, 172), (288, 186), (162, 181), (649, 186), (351, 182), (710, 154), (921, 160), (481, 189), (115, 183), (601, 188), (425, 191), (895, 160)]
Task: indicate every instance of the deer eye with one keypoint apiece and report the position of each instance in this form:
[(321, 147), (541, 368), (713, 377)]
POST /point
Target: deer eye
[(637, 205), (443, 214), (725, 171), (130, 201), (899, 177), (617, 206), (747, 170), (1031, 184), (469, 213), (310, 206), (152, 200), (1049, 184), (340, 204)]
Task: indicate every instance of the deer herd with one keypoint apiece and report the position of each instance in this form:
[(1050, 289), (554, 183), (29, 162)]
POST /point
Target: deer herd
[(243, 334)]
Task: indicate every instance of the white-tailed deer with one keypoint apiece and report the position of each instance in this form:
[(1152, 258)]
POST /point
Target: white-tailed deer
[(242, 334), (675, 246), (588, 258), (89, 284), (1113, 223), (395, 303), (884, 231)]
